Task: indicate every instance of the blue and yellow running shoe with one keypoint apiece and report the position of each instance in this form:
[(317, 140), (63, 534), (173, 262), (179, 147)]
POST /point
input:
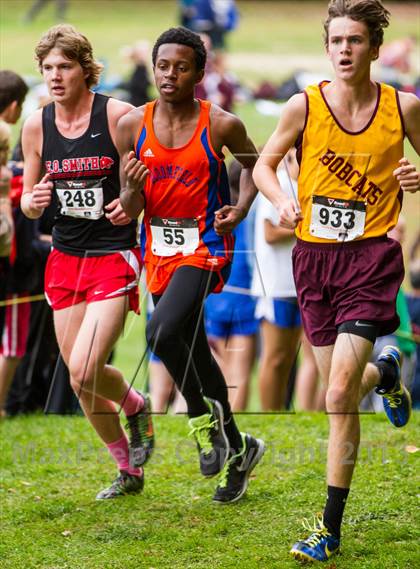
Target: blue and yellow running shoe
[(397, 401), (319, 546)]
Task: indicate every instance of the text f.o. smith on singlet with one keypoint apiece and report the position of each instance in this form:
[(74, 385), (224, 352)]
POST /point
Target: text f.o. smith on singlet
[(85, 172)]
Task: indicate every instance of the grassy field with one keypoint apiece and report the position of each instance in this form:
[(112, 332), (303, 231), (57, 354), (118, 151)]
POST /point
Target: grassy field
[(52, 468)]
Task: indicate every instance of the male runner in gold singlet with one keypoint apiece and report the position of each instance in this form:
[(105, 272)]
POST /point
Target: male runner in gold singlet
[(349, 136)]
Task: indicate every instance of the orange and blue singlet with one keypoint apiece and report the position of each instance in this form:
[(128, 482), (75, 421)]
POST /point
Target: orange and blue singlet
[(185, 187)]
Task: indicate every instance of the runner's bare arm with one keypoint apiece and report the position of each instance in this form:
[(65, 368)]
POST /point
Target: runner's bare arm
[(229, 131), (37, 192), (407, 173), (6, 216), (133, 172), (115, 110), (290, 125), (275, 234)]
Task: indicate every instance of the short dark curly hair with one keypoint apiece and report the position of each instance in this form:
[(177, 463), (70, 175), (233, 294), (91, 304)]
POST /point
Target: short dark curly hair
[(183, 36), (371, 12), (12, 88)]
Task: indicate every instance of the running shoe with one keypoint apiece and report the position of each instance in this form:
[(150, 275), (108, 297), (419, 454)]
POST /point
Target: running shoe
[(142, 439), (234, 478), (397, 401), (319, 546), (124, 484), (212, 442)]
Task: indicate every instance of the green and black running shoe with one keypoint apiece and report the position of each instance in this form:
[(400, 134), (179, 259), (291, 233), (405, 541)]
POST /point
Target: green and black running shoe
[(234, 477), (142, 438), (212, 442), (124, 484)]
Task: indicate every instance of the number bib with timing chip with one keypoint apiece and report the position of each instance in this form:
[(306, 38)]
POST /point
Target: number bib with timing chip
[(81, 198), (331, 218), (174, 235)]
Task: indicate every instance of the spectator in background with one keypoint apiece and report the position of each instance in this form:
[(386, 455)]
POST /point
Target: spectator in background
[(162, 388), (274, 285), (28, 251), (310, 390), (229, 316), (401, 338), (217, 86), (187, 12), (395, 60), (138, 85), (13, 91), (38, 5), (213, 17), (413, 303), (6, 221)]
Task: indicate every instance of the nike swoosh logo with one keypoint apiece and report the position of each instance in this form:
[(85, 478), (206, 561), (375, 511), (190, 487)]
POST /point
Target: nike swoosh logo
[(95, 135), (98, 292), (357, 323), (328, 553)]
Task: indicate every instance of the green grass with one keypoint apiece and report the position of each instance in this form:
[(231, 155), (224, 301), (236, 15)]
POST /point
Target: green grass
[(52, 468)]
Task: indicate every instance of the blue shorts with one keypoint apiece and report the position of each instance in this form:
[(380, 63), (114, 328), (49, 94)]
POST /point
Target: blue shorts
[(283, 312), (230, 314), (232, 327)]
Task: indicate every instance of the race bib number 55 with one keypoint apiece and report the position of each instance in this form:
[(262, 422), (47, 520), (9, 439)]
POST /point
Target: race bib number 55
[(81, 198), (331, 218), (174, 235)]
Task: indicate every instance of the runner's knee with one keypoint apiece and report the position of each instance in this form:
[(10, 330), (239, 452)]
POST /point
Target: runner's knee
[(82, 376), (342, 398)]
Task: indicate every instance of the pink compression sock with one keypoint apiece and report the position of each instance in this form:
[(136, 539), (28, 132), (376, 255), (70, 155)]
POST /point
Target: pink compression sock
[(132, 402), (121, 454)]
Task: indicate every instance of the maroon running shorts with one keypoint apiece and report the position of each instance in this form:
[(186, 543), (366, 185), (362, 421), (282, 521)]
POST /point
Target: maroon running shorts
[(337, 283)]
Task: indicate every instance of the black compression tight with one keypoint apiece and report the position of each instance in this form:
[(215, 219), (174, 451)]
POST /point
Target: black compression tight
[(176, 334)]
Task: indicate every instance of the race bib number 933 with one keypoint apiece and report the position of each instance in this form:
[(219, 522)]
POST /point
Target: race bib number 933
[(331, 218)]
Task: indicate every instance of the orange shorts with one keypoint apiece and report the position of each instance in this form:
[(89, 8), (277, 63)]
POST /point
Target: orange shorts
[(70, 280), (158, 276)]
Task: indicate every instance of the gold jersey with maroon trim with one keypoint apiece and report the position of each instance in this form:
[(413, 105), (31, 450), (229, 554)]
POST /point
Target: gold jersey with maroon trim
[(349, 172)]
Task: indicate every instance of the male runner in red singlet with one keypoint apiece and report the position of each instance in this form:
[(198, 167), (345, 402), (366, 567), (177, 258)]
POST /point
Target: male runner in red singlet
[(93, 269), (349, 135), (177, 175)]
